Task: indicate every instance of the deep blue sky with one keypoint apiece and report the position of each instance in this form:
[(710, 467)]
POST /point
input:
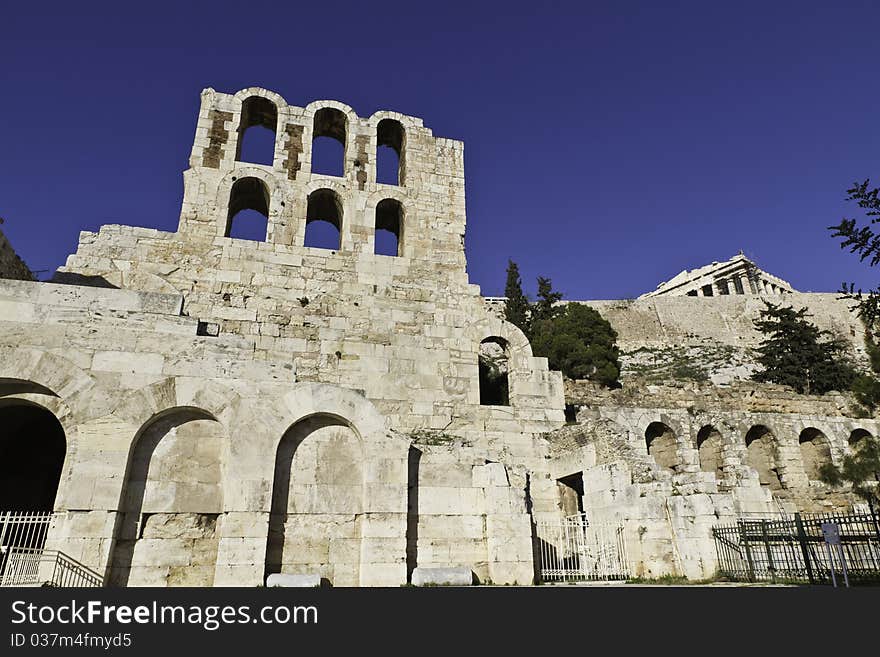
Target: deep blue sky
[(608, 145)]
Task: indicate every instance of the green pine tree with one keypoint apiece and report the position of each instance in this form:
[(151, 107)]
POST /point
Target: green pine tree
[(544, 307), (580, 343), (516, 310), (796, 353)]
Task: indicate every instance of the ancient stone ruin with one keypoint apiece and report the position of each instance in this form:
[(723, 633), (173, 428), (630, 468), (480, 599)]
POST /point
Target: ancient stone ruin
[(194, 408)]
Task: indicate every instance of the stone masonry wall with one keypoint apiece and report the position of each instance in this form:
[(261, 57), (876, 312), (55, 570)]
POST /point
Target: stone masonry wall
[(746, 448), (235, 407)]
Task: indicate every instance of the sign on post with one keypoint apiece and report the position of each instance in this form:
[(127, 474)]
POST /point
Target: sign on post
[(831, 534)]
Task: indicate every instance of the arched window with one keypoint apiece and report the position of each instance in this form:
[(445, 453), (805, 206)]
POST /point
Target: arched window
[(324, 220), (328, 142), (494, 370), (709, 449), (256, 131), (248, 216), (389, 224), (390, 140), (815, 451), (761, 455), (662, 445)]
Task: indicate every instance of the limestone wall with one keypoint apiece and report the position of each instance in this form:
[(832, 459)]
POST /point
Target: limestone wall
[(711, 338), (668, 462), (11, 266), (239, 407)]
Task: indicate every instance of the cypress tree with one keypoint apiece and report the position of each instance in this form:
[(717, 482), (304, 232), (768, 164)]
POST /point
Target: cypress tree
[(516, 310)]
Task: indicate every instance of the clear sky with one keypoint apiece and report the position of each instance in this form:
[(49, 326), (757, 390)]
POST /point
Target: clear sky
[(608, 145)]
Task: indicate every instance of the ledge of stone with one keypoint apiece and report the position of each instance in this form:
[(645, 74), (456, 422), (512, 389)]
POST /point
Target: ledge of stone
[(442, 577), (293, 581)]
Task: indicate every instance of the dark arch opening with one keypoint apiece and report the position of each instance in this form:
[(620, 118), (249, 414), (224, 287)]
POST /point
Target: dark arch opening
[(860, 439), (709, 449), (761, 455), (248, 216), (857, 436), (328, 142), (493, 372), (662, 445), (389, 225), (815, 451), (256, 131), (390, 140), (324, 220), (32, 450)]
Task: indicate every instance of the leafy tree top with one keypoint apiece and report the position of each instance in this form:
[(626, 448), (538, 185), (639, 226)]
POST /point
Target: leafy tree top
[(866, 243), (860, 469), (580, 343)]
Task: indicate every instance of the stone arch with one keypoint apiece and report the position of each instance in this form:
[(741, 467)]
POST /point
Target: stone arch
[(257, 112), (662, 445), (709, 449), (390, 151), (171, 500), (761, 454), (317, 501), (494, 367), (324, 206), (248, 194), (36, 371), (815, 451), (384, 473), (276, 98), (52, 382), (389, 220), (517, 342), (518, 354), (331, 121), (266, 198)]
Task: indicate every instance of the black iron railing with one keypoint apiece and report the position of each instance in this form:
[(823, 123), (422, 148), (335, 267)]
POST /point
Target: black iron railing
[(794, 548)]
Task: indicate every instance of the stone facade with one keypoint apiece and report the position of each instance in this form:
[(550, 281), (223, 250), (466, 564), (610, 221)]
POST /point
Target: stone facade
[(237, 407), (228, 409)]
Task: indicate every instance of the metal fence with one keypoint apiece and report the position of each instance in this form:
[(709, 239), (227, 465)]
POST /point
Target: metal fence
[(794, 549), (28, 567), (22, 529), (573, 550)]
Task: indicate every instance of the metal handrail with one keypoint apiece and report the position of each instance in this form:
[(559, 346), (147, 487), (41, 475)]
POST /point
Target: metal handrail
[(32, 567)]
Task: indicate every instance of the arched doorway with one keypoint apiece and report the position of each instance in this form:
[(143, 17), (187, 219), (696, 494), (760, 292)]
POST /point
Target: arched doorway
[(494, 369), (317, 502), (32, 450)]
